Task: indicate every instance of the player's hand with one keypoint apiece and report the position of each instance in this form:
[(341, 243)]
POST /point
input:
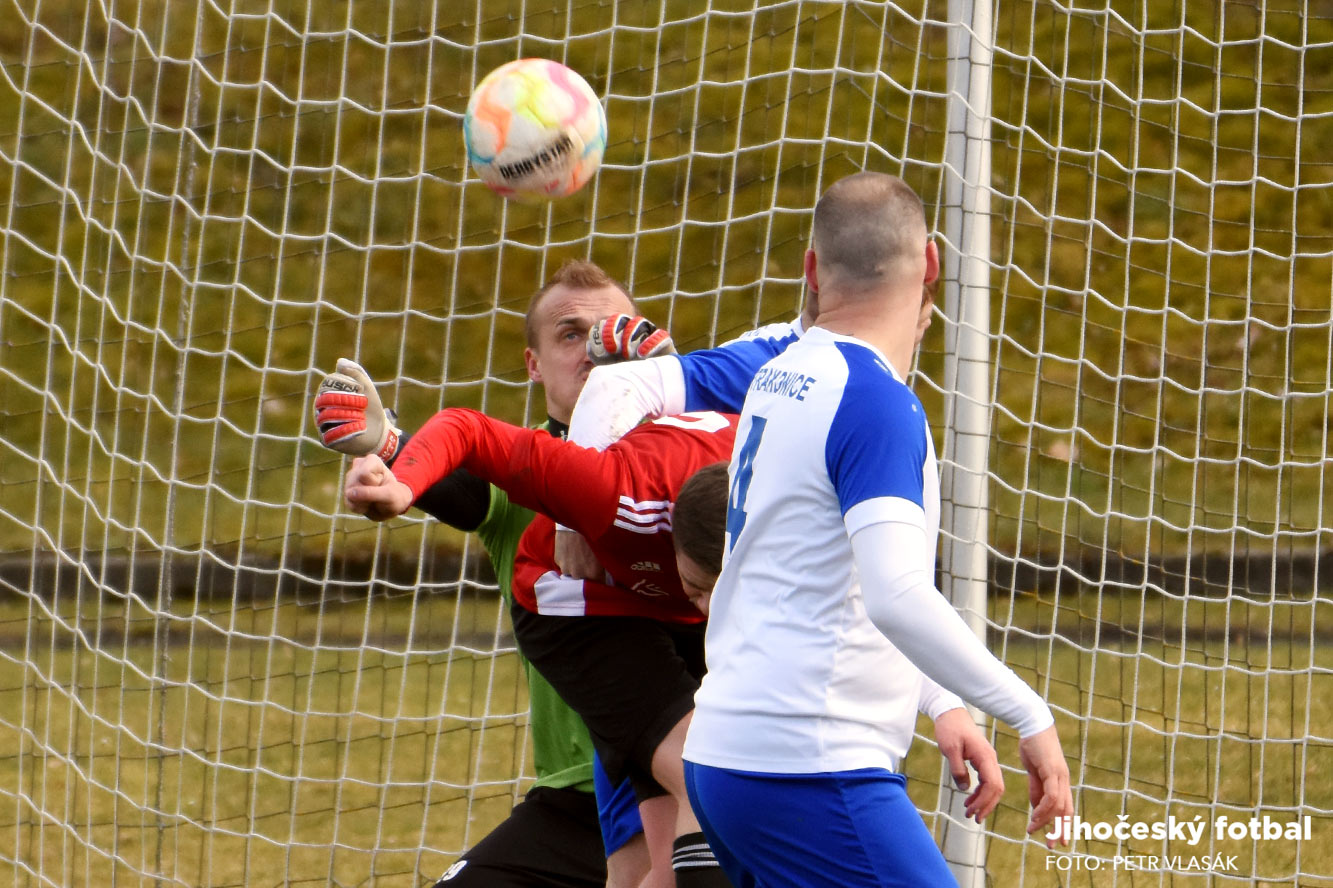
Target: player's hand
[(574, 556), (1048, 782), (961, 742), (350, 417), (624, 337), (371, 490)]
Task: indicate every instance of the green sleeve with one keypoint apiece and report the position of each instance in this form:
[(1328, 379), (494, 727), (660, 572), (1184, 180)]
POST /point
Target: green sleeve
[(561, 747)]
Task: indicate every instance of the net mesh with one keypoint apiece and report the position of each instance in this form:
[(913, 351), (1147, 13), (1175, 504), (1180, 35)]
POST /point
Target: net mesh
[(211, 675)]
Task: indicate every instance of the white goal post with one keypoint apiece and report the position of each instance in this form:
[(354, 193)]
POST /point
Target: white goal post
[(211, 674)]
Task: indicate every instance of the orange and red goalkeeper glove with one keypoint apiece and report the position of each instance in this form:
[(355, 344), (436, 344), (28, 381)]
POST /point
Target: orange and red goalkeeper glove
[(350, 417), (624, 337)]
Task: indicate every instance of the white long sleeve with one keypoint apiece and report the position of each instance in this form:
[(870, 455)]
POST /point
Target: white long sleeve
[(935, 700), (901, 600), (617, 397)]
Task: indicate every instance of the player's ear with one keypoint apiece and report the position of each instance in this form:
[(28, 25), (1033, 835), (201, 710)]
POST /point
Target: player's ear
[(534, 366), (932, 262), (811, 271)]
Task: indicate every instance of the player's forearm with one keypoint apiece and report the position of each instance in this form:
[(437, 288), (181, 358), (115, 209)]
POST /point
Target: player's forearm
[(617, 397), (460, 499), (901, 600), (572, 485), (453, 438), (935, 700)]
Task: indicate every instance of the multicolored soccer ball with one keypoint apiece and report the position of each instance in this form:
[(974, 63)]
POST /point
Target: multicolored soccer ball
[(534, 129)]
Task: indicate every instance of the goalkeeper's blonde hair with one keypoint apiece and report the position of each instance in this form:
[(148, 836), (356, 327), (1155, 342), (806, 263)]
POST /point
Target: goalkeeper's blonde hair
[(578, 274)]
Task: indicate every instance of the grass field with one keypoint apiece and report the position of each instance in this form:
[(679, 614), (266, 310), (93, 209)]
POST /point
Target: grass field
[(278, 748), (285, 747)]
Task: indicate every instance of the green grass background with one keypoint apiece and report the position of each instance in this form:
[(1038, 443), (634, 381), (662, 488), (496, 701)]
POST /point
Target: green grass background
[(200, 211)]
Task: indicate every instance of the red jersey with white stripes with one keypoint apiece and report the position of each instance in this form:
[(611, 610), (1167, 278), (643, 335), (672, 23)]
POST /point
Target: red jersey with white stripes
[(541, 588), (619, 499)]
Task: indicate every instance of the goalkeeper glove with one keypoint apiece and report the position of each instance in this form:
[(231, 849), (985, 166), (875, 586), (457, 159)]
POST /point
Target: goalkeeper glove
[(350, 417), (625, 338)]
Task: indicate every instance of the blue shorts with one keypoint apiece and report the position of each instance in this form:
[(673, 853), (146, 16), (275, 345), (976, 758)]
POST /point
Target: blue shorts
[(850, 829), (617, 809)]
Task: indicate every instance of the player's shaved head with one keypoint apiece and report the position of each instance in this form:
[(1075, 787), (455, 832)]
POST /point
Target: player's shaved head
[(866, 226)]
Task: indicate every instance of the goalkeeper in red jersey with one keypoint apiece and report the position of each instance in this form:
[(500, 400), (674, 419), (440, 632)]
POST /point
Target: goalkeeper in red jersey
[(552, 839)]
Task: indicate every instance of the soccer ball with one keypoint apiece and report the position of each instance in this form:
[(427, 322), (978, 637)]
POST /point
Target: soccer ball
[(534, 129)]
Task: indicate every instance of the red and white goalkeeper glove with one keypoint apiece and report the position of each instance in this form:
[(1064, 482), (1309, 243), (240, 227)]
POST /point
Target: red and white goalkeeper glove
[(624, 337), (350, 417)]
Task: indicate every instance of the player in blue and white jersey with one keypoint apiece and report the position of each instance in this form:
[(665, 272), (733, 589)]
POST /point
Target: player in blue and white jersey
[(832, 522)]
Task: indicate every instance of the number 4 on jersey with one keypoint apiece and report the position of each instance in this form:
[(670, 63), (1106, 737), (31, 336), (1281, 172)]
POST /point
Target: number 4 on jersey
[(740, 485)]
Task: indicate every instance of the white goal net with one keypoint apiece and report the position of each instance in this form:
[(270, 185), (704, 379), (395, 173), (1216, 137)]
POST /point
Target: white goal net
[(211, 674)]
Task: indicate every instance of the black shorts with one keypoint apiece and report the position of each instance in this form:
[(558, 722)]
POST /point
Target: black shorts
[(550, 840), (630, 678)]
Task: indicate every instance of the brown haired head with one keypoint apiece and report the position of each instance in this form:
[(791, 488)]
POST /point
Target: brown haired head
[(699, 518), (576, 274)]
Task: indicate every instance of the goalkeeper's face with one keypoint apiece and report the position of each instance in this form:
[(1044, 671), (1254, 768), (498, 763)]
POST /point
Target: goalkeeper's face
[(559, 359)]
